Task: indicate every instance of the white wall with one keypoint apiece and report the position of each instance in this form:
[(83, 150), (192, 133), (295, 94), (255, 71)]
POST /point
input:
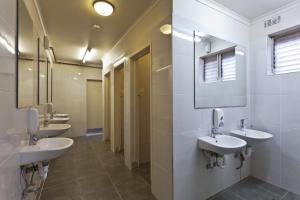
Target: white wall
[(144, 33), (27, 82), (275, 108), (191, 178), (69, 94), (12, 121)]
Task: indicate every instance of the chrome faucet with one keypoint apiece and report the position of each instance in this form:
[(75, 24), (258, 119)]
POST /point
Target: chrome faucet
[(46, 120), (242, 124), (215, 131), (33, 139)]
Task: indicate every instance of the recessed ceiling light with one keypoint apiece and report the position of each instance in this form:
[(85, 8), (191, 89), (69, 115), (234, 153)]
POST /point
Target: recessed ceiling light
[(96, 27), (103, 7), (166, 29)]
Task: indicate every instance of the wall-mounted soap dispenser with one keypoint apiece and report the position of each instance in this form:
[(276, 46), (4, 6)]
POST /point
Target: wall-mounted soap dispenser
[(218, 121), (218, 118)]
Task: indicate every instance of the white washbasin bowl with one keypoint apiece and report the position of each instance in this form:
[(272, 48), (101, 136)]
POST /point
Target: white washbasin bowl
[(59, 120), (45, 149), (60, 115), (53, 130), (222, 144), (252, 136)]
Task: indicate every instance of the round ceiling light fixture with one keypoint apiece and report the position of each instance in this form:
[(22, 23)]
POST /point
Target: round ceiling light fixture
[(103, 8), (166, 29)]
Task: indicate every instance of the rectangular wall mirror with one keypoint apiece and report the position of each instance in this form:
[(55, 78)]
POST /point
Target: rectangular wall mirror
[(33, 65), (220, 72), (27, 59)]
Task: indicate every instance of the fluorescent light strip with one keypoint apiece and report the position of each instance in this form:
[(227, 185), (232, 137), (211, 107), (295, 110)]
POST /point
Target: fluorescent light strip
[(6, 44), (88, 50)]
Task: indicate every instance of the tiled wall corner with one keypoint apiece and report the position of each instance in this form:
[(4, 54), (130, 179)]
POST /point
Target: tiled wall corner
[(12, 121)]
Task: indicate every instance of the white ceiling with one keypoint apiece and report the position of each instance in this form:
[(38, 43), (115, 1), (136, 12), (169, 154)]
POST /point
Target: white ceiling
[(68, 24), (253, 8)]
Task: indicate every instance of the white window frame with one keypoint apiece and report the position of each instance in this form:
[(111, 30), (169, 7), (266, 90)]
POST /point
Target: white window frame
[(219, 63), (271, 48)]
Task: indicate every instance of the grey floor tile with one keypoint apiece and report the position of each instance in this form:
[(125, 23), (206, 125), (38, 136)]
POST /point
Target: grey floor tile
[(227, 195), (90, 171), (267, 186), (249, 190), (291, 196)]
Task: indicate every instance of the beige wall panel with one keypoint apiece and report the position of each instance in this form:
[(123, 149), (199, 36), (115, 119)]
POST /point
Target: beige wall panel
[(94, 104)]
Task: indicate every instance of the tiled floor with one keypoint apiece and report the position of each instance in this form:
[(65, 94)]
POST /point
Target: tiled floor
[(254, 189), (89, 171)]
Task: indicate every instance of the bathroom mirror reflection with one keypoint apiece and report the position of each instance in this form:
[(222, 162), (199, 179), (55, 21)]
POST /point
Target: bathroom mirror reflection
[(220, 72), (27, 59), (43, 74)]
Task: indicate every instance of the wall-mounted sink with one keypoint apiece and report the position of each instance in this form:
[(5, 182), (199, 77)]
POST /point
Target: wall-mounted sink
[(221, 144), (45, 149), (59, 120), (252, 136), (53, 130), (61, 115)]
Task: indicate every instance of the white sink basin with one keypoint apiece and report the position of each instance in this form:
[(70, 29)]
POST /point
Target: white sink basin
[(53, 130), (222, 144), (59, 120), (45, 149), (60, 115), (252, 136)]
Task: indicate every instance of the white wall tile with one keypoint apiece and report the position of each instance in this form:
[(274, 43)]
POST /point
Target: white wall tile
[(191, 178), (275, 108), (12, 121)]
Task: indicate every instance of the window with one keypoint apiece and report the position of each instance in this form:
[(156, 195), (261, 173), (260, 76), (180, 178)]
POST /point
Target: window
[(228, 66), (221, 66), (211, 69), (285, 52)]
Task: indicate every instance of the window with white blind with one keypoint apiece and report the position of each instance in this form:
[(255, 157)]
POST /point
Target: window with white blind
[(228, 66), (220, 67), (211, 69), (286, 53)]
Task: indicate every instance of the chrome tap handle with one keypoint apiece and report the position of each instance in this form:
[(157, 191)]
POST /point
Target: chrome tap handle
[(243, 123)]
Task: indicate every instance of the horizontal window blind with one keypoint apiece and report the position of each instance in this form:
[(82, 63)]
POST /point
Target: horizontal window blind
[(228, 66), (211, 69), (287, 53)]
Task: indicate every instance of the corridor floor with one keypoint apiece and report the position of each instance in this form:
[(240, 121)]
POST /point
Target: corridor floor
[(89, 171)]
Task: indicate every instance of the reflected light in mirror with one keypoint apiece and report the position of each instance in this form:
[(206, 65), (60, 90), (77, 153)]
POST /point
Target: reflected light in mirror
[(29, 69), (186, 37), (240, 53), (166, 29), (79, 73), (42, 75), (6, 44), (75, 78)]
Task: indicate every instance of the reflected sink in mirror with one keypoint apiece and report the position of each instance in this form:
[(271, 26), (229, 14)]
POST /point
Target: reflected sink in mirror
[(60, 115), (53, 130), (221, 144), (45, 149), (59, 120), (252, 136)]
